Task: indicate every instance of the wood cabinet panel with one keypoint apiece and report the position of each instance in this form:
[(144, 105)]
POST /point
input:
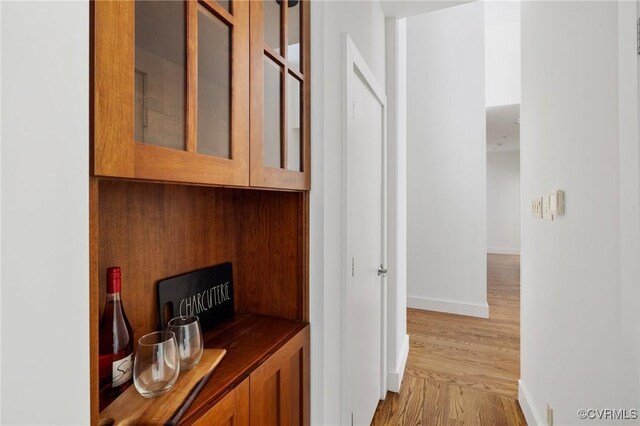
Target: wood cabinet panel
[(137, 127), (144, 127), (112, 63), (117, 84), (231, 410), (294, 119), (154, 231), (279, 393)]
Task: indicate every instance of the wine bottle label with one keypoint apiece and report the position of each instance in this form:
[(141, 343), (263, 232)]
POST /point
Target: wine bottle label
[(121, 370)]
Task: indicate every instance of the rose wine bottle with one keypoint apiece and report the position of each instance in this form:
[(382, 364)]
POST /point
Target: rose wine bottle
[(116, 343)]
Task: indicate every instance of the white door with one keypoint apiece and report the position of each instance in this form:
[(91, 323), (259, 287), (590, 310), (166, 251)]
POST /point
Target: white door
[(364, 289)]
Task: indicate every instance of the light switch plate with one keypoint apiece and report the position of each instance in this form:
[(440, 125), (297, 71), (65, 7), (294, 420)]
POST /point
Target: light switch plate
[(536, 207), (560, 202), (553, 203), (556, 203), (546, 208)]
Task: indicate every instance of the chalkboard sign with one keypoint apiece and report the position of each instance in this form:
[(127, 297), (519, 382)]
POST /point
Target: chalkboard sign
[(207, 293)]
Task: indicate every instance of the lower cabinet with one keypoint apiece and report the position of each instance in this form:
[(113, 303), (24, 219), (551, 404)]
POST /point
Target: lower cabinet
[(231, 410), (279, 394), (276, 393)]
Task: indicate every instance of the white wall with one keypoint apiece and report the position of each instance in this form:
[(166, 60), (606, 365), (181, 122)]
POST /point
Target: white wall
[(41, 216), (579, 280), (503, 202), (45, 217), (446, 161), (396, 87), (629, 155), (316, 216), (365, 23), (502, 51), (0, 212)]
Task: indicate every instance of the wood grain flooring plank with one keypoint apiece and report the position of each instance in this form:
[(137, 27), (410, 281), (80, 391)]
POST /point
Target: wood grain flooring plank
[(463, 370)]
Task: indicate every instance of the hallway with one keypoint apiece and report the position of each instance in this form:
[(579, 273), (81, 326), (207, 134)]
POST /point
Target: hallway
[(463, 370)]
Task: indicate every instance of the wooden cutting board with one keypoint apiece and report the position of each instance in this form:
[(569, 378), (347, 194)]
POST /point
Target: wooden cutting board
[(131, 408)]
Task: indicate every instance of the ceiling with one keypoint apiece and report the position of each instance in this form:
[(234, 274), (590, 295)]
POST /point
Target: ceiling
[(503, 128), (405, 8)]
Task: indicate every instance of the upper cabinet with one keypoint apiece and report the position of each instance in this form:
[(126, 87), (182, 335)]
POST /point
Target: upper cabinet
[(280, 93), (172, 83)]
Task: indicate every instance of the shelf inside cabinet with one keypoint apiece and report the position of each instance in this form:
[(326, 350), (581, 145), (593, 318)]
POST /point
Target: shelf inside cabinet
[(155, 230), (249, 339)]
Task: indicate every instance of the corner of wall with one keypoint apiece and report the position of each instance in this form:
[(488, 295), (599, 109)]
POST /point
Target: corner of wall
[(527, 405), (316, 226), (447, 161), (1, 422), (629, 107), (45, 194), (394, 378)]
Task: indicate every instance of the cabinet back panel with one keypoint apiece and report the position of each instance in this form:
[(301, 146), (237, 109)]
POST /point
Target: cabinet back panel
[(154, 231), (270, 255)]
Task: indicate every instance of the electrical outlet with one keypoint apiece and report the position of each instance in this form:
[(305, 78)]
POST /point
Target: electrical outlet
[(549, 415)]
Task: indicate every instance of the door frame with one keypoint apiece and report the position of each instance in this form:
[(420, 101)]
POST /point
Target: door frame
[(354, 62)]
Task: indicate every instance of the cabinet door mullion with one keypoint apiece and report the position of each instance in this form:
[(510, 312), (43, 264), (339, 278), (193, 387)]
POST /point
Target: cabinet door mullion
[(192, 77), (283, 118), (240, 84)]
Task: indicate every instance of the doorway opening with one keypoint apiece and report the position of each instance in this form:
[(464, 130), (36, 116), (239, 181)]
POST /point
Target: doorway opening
[(463, 217)]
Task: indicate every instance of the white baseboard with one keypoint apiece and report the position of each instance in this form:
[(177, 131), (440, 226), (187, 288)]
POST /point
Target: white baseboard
[(394, 378), (527, 406), (503, 250), (448, 306)]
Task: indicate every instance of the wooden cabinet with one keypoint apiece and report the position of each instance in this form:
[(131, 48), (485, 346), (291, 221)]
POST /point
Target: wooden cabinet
[(171, 92), (167, 105), (280, 94), (276, 393), (231, 410), (280, 386), (200, 108), (158, 230)]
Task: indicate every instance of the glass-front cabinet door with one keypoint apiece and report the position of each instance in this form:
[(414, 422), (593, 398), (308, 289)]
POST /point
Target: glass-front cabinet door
[(171, 90), (279, 141)]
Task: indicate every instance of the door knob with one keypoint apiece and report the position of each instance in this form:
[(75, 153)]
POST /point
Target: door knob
[(382, 270)]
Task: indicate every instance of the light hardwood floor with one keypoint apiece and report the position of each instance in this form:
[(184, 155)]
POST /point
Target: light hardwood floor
[(463, 370)]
